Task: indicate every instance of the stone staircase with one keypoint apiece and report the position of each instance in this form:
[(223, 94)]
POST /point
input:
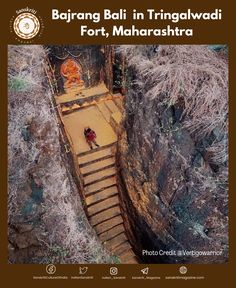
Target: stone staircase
[(97, 108), (111, 111), (102, 199)]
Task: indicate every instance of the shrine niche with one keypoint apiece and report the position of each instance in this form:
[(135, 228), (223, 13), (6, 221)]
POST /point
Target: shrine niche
[(71, 72)]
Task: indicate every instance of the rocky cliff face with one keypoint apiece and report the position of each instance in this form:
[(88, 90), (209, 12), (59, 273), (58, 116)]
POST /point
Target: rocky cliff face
[(174, 177), (46, 220)]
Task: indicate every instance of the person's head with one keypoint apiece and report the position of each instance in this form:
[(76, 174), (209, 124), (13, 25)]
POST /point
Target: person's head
[(87, 129)]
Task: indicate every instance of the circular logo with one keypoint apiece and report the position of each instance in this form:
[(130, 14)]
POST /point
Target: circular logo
[(183, 269), (26, 25), (113, 271), (50, 269)]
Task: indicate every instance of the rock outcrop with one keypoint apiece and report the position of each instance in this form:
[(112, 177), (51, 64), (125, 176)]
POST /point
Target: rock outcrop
[(46, 219), (175, 194)]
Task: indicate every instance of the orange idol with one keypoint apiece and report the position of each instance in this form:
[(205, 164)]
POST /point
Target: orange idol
[(72, 71)]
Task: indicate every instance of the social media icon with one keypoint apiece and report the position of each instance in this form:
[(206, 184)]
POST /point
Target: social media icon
[(83, 270), (50, 269), (113, 271), (145, 271), (183, 269)]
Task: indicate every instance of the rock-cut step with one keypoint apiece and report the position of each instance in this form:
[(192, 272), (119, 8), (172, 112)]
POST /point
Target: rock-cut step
[(98, 176), (127, 256), (112, 106), (97, 166), (125, 253), (96, 156), (105, 216), (118, 99), (98, 186), (104, 110), (104, 205), (124, 247), (108, 224), (102, 195), (114, 242), (95, 150), (112, 233)]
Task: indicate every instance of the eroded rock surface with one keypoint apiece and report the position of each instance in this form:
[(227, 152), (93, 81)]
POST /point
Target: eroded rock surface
[(175, 197)]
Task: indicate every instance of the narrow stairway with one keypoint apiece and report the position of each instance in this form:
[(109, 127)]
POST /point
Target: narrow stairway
[(97, 108), (99, 172)]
